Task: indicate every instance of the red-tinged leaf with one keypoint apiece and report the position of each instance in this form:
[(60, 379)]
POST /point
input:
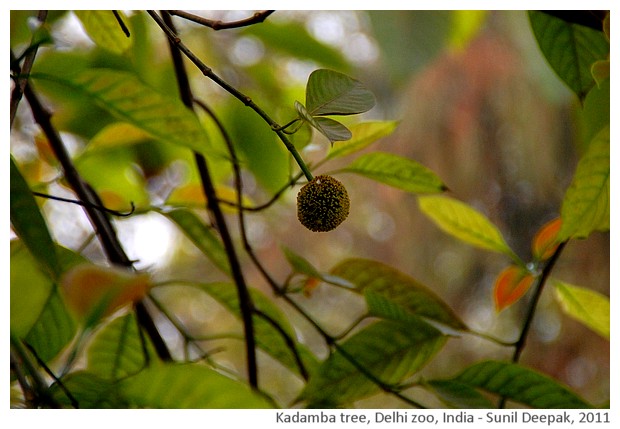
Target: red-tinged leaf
[(309, 285), (545, 241), (510, 285)]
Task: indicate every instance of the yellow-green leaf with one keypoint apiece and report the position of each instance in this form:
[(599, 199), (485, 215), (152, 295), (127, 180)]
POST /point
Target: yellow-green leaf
[(397, 171), (104, 29), (586, 203), (465, 223), (585, 305), (363, 135)]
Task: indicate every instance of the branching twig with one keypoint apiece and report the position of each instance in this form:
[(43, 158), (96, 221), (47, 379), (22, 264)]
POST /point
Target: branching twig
[(205, 70), (256, 18)]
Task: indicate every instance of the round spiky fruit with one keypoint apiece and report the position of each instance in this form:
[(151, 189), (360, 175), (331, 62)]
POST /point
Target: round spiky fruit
[(322, 204)]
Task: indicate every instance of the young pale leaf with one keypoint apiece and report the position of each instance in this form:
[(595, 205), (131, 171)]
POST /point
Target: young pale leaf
[(394, 170), (394, 295), (520, 384), (465, 223), (363, 135), (570, 49), (510, 285), (587, 306), (30, 225), (332, 93), (118, 350), (103, 28), (268, 337), (385, 351), (185, 386), (126, 97), (202, 237), (331, 129), (586, 203)]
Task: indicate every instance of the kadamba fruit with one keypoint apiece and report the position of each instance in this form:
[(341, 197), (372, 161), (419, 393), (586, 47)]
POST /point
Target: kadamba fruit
[(322, 204), (92, 291)]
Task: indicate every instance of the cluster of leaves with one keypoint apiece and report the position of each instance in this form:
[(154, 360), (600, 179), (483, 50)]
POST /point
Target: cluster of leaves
[(405, 324)]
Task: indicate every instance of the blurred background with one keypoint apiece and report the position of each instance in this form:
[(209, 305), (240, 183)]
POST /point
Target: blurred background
[(475, 102)]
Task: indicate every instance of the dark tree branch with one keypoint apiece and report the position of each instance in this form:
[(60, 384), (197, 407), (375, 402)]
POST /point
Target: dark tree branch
[(245, 302), (121, 23), (256, 18)]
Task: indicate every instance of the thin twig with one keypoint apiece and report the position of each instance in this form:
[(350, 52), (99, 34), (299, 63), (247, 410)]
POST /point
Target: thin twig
[(540, 284), (86, 204), (216, 25)]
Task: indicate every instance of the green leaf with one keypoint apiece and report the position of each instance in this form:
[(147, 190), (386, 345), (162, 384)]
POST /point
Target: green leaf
[(268, 337), (458, 395), (585, 305), (520, 384), (103, 28), (332, 93), (199, 234), (465, 223), (54, 328), (394, 170), (188, 386), (363, 135), (294, 40), (89, 391), (38, 313), (394, 295), (29, 224), (126, 97), (331, 129), (585, 207), (118, 350), (386, 351), (30, 289), (570, 49)]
